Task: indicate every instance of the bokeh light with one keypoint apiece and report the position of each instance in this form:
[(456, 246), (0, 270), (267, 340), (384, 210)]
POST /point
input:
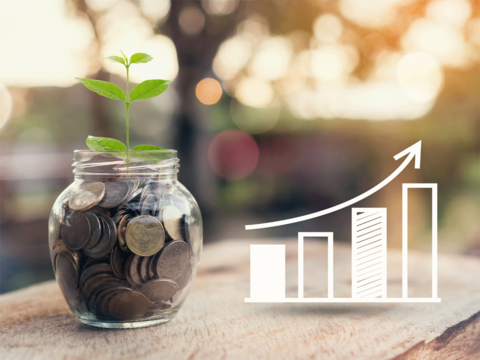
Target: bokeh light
[(272, 59), (233, 54), (420, 76), (208, 91), (254, 120), (370, 13), (254, 92), (5, 105), (220, 7), (155, 9), (191, 20), (327, 28), (332, 62), (233, 154), (444, 43), (450, 12)]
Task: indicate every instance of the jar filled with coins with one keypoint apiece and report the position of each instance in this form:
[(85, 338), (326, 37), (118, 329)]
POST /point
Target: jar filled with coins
[(125, 238)]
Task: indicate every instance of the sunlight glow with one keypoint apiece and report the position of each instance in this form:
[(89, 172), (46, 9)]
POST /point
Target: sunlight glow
[(419, 76), (254, 120), (51, 55), (155, 9), (191, 20)]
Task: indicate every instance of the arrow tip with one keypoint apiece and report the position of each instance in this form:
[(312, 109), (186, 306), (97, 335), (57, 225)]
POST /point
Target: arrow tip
[(413, 151)]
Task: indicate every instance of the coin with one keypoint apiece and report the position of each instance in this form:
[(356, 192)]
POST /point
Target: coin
[(159, 289), (96, 230), (131, 270), (172, 219), (115, 194), (100, 268), (118, 259), (145, 235), (76, 230), (173, 260), (100, 288), (184, 279), (128, 305), (97, 210), (92, 281), (86, 196), (143, 268), (122, 226), (103, 299), (67, 276), (108, 240), (147, 190)]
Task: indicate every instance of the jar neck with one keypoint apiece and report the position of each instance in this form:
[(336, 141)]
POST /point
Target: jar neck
[(92, 165)]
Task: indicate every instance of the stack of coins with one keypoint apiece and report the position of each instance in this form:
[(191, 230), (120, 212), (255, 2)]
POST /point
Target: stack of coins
[(121, 252)]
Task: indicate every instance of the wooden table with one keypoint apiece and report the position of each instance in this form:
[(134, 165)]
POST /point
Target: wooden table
[(215, 323)]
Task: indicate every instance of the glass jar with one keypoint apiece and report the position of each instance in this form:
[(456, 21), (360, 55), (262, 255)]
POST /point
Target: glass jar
[(125, 238)]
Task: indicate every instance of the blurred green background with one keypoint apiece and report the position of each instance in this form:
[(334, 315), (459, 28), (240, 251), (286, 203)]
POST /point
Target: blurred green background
[(278, 109)]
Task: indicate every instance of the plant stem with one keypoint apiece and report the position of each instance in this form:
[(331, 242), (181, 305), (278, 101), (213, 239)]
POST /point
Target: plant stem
[(127, 105)]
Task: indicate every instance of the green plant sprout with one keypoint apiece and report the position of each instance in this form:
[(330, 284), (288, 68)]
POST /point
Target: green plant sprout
[(145, 90)]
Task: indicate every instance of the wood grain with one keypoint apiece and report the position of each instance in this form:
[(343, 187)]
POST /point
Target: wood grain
[(215, 323)]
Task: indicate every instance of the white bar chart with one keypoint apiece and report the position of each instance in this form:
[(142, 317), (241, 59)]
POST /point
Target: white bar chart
[(369, 252)]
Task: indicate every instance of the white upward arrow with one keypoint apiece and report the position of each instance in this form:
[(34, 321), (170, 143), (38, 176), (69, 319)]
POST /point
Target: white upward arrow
[(413, 151)]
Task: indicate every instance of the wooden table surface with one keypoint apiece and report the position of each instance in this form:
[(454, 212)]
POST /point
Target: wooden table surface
[(215, 323)]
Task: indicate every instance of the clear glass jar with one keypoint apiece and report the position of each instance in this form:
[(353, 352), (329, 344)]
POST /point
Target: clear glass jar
[(125, 240)]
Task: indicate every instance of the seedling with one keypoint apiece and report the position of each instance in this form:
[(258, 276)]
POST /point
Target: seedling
[(145, 90)]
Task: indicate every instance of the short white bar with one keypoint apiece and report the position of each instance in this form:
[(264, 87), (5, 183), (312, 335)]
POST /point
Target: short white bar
[(267, 272), (347, 300)]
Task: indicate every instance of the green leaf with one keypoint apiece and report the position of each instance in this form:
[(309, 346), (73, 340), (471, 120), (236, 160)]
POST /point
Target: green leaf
[(104, 144), (104, 88), (115, 58), (146, 147), (140, 58), (149, 154), (124, 56), (149, 89)]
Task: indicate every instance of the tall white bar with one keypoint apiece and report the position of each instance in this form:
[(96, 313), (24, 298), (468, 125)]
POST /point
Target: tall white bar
[(301, 269), (434, 189), (267, 272), (369, 253)]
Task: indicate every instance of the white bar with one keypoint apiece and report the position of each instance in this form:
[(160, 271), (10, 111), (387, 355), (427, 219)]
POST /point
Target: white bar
[(434, 188), (267, 272), (404, 241), (369, 249), (348, 300), (301, 268), (301, 237), (330, 266)]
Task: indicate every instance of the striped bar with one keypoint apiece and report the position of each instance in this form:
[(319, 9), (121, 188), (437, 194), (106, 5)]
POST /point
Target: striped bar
[(369, 253)]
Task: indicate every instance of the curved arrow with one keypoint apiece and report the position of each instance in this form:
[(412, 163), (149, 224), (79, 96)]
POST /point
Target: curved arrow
[(413, 151)]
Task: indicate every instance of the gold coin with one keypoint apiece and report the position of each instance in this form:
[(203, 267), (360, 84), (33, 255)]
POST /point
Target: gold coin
[(86, 196), (121, 232), (145, 235), (172, 220)]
